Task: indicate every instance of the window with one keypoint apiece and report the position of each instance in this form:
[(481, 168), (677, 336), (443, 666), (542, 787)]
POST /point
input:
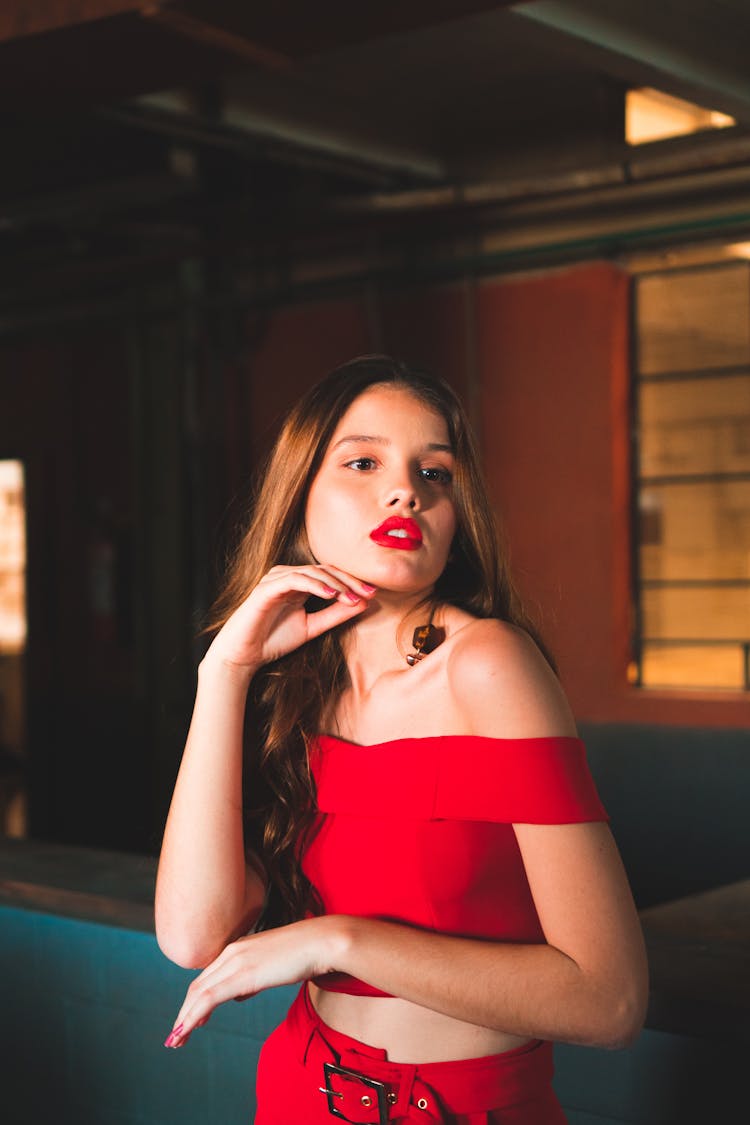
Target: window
[(12, 647), (12, 558), (692, 377), (651, 115)]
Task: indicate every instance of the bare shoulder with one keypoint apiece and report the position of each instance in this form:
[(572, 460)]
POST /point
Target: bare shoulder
[(502, 684)]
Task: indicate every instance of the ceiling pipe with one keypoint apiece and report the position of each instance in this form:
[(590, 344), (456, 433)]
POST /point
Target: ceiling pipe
[(662, 168), (238, 126)]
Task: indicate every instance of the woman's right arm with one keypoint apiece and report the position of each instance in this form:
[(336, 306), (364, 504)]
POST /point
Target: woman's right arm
[(207, 894)]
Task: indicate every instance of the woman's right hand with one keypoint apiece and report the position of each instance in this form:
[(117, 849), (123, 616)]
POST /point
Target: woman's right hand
[(273, 621)]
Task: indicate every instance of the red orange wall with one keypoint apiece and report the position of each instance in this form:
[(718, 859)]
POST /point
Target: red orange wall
[(298, 345), (553, 361)]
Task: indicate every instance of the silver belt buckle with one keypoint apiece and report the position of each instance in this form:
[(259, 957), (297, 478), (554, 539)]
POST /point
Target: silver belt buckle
[(379, 1089)]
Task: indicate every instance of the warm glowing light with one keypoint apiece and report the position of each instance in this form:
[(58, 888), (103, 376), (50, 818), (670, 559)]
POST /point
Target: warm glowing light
[(651, 115), (12, 557)]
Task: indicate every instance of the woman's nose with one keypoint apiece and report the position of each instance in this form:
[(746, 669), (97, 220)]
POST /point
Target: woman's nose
[(411, 502), (402, 496)]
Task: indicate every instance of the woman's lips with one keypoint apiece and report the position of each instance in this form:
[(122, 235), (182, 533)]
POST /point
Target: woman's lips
[(403, 534)]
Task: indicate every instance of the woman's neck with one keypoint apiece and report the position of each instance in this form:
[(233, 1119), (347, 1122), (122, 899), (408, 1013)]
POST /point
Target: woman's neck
[(378, 643)]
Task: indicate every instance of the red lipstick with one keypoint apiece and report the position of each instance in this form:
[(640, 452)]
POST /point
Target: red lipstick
[(403, 534)]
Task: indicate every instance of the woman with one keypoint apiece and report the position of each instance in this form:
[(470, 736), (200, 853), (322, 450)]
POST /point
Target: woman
[(432, 862)]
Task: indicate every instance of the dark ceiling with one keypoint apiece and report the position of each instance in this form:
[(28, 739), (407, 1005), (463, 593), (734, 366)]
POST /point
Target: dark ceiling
[(132, 122)]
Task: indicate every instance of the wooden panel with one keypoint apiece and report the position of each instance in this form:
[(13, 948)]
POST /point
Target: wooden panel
[(86, 48), (19, 17), (298, 28)]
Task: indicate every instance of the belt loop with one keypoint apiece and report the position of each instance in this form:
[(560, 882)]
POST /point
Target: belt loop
[(325, 1051), (407, 1074), (424, 1104)]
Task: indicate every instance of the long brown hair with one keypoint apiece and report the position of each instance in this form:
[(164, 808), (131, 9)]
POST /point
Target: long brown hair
[(290, 697)]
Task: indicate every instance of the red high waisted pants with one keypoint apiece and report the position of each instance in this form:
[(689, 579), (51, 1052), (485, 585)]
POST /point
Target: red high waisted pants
[(304, 1058)]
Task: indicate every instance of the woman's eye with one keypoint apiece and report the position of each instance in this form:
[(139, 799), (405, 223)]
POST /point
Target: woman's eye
[(361, 463), (440, 476)]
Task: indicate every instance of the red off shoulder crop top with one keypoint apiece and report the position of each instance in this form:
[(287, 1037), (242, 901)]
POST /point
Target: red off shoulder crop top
[(420, 831)]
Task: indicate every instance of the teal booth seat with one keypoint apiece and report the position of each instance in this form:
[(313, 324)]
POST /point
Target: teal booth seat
[(678, 798), (85, 1011)]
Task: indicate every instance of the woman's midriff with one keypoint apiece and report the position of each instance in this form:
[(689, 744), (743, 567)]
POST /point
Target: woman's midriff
[(408, 1032)]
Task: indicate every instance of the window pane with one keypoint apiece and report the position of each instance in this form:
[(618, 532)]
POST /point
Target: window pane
[(694, 319), (718, 613), (707, 666), (695, 426), (12, 647), (691, 531), (693, 463)]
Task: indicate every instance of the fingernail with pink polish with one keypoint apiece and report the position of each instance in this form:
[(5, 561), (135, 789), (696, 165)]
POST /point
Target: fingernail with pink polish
[(367, 586), (352, 597), (173, 1036)]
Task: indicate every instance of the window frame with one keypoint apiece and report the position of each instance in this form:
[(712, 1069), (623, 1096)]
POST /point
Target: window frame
[(639, 481)]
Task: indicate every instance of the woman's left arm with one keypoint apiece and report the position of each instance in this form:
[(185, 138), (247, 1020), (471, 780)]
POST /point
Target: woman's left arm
[(587, 985)]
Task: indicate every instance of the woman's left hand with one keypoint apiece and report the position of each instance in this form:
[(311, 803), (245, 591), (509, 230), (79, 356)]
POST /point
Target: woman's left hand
[(251, 964)]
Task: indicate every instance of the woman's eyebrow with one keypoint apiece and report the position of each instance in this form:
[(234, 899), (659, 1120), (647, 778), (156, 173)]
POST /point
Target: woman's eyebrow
[(432, 446), (362, 437)]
